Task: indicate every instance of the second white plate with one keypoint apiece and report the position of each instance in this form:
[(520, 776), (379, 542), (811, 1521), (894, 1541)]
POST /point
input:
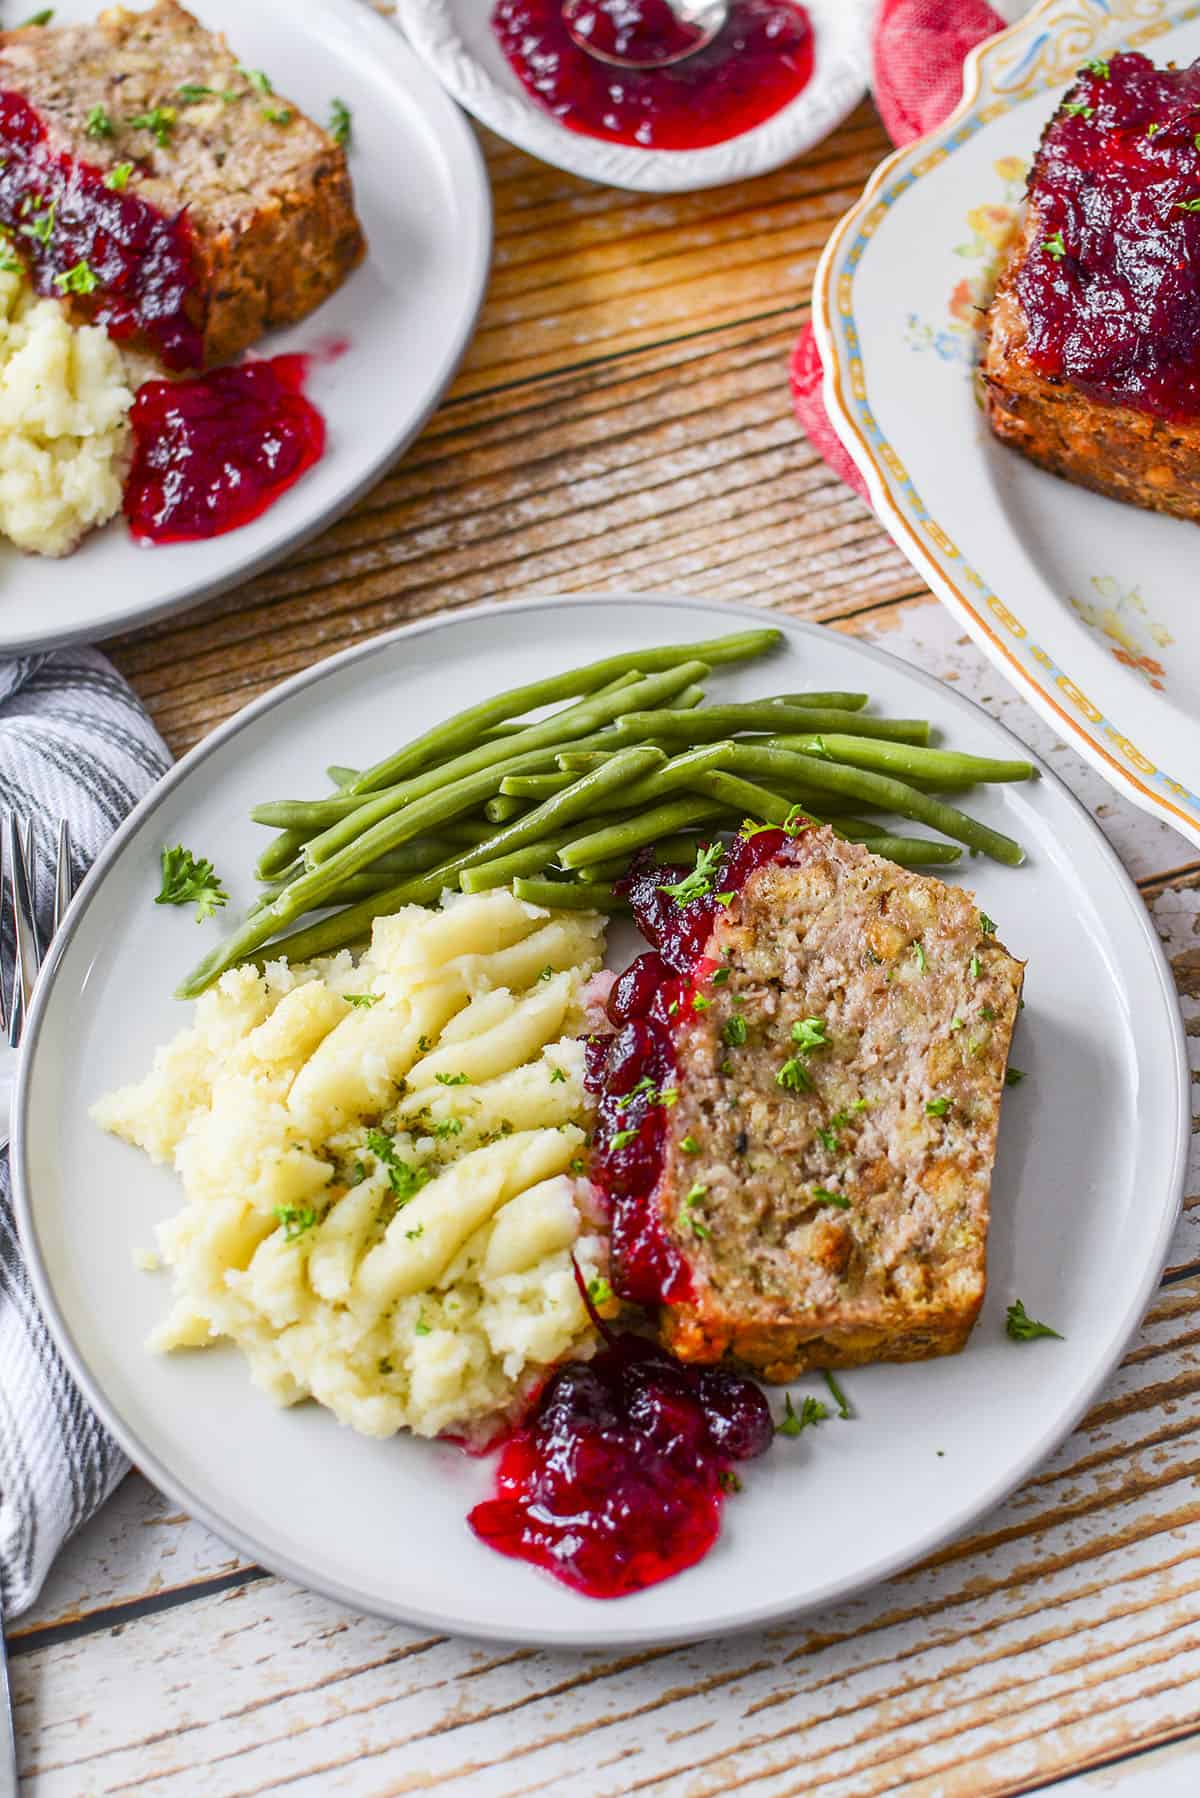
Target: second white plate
[(1087, 1186)]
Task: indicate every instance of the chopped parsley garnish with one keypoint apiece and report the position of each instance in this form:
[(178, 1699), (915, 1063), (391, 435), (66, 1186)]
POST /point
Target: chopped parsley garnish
[(411, 1235), (358, 1174), (599, 1290), (1013, 1076), (1054, 246), (986, 924), (41, 224), (622, 1139), (690, 1146), (421, 1328), (829, 1137), (1023, 1328), (728, 1480), (821, 1195), (159, 122), (339, 122), (578, 1165), (794, 1076), (80, 279), (811, 1411), (557, 1077), (547, 973), (277, 115), (364, 1000), (444, 1127), (724, 898), (1187, 205), (918, 955), (937, 1108), (809, 1033), (974, 967), (37, 18), (98, 123), (839, 1397), (735, 1031), (295, 1220), (699, 1002), (404, 1177), (1154, 129), (644, 1085), (987, 1014), (1079, 109), (192, 92), (696, 1194), (1098, 66), (720, 977), (186, 877), (796, 821), (453, 1079), (259, 80), (424, 1044), (956, 1024), (118, 176), (10, 262), (700, 881)]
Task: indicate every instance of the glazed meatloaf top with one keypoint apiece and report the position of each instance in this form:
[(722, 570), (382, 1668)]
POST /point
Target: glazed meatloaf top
[(828, 1160), (143, 134)]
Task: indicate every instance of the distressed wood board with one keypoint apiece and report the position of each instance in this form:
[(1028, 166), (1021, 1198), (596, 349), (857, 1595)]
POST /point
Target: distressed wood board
[(622, 420)]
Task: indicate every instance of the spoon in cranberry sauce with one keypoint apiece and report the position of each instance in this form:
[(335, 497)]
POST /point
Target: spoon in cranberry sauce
[(643, 34)]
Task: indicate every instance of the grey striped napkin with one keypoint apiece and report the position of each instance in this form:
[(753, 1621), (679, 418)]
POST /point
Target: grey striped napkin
[(75, 744)]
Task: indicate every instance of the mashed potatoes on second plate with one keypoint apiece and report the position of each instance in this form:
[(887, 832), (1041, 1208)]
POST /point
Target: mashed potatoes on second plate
[(64, 432), (383, 1168)]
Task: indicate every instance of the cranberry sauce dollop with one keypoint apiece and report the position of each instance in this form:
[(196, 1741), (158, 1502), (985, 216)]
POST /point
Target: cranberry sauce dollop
[(615, 1481), (213, 452), (1111, 285), (631, 1072), (760, 60), (129, 263)]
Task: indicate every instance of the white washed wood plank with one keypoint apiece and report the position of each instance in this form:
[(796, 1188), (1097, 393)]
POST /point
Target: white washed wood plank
[(1170, 1772)]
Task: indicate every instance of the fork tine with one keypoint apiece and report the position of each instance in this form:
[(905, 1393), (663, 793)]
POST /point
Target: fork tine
[(29, 950), (64, 881)]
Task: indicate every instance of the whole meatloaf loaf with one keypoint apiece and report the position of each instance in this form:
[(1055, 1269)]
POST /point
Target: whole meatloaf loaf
[(162, 189), (1092, 363), (828, 1159)]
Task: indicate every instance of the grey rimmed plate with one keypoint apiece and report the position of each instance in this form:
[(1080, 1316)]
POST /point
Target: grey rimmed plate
[(1087, 1187)]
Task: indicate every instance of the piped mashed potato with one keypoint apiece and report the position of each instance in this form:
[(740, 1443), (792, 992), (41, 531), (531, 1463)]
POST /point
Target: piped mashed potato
[(65, 440), (383, 1167)]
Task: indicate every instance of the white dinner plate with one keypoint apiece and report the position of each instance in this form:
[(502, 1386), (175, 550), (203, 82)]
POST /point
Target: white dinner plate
[(1087, 604), (400, 323), (1087, 1186), (455, 38)]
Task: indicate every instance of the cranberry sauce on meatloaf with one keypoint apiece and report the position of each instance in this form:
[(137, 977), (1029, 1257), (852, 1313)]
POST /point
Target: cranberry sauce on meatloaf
[(161, 189), (817, 1123)]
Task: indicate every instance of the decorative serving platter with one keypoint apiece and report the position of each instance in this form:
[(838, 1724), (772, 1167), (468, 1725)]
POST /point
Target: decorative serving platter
[(455, 38), (1087, 1189), (383, 348), (1089, 606)]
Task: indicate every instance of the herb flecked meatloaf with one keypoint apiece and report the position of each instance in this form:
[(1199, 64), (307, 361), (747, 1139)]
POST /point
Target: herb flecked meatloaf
[(835, 1128), (164, 190), (1092, 363)]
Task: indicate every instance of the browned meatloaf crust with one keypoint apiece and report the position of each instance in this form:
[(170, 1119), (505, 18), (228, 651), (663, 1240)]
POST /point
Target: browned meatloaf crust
[(267, 193), (895, 1116), (1125, 453)]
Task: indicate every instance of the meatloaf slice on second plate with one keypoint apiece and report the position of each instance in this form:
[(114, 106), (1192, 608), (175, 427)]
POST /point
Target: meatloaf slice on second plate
[(166, 191), (829, 1156)]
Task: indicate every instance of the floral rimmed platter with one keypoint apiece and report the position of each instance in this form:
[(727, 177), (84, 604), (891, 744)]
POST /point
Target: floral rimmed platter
[(1088, 1178), (1088, 605), (455, 38)]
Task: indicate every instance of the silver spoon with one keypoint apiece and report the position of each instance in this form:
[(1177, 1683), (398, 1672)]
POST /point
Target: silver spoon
[(705, 17)]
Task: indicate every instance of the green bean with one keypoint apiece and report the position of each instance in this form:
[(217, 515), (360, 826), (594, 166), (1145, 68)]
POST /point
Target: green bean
[(310, 890), (880, 791), (745, 797), (540, 786), (841, 702), (341, 777), (908, 852), (280, 853), (502, 870), (568, 896), (907, 761), (465, 727), (679, 773), (308, 815), (600, 872), (490, 762), (623, 838), (729, 720), (500, 809)]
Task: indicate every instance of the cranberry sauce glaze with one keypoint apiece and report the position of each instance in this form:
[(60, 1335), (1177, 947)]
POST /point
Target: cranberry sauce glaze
[(213, 452), (631, 1072), (759, 61), (616, 1480), (130, 265), (1111, 285)]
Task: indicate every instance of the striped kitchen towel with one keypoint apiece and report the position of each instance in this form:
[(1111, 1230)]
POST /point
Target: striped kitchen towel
[(75, 744)]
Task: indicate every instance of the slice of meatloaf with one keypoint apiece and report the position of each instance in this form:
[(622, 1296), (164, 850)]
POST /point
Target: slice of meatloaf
[(828, 1160), (164, 190), (1092, 358)]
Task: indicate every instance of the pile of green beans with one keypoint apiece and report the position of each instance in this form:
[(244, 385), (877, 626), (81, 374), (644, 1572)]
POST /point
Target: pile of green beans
[(556, 806)]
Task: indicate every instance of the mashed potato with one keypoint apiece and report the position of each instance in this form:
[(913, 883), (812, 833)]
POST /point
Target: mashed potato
[(64, 432), (382, 1167)]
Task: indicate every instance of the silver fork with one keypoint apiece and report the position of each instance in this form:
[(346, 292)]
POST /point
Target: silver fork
[(16, 898)]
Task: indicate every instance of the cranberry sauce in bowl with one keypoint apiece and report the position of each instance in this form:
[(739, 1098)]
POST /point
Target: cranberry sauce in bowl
[(759, 61), (1110, 287), (213, 452), (83, 237)]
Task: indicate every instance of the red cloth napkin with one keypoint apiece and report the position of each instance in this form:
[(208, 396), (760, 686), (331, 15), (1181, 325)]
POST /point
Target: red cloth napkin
[(917, 52)]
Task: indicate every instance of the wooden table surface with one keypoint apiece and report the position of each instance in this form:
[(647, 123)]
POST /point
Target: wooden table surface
[(622, 420)]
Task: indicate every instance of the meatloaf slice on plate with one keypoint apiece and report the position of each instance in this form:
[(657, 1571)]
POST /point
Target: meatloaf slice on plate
[(1092, 364), (829, 1157), (164, 190)]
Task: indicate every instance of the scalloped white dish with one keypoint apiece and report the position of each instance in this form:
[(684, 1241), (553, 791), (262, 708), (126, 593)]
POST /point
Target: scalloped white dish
[(455, 38), (400, 322), (1088, 1177), (1087, 605)]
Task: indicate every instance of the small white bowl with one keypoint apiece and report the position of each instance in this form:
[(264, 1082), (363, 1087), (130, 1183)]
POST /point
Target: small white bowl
[(455, 38)]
